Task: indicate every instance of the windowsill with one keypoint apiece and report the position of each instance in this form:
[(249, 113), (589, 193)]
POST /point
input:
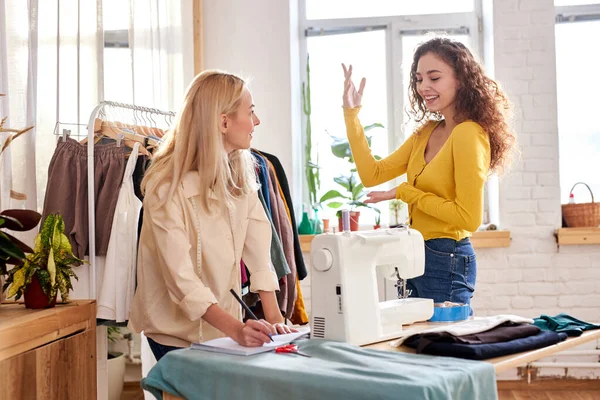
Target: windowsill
[(567, 236), (480, 240)]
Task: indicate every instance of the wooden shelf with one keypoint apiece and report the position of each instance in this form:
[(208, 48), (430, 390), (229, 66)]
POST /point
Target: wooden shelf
[(566, 236), (480, 240)]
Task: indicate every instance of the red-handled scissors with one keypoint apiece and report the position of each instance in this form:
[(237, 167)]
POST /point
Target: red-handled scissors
[(290, 349)]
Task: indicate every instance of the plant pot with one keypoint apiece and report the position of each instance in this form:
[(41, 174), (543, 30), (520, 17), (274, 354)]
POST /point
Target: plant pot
[(353, 221), (375, 227), (35, 297), (116, 375)]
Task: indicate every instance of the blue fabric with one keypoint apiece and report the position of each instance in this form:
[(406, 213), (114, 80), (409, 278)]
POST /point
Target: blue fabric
[(263, 178), (563, 323), (334, 371), (450, 272), (159, 350), (488, 350)]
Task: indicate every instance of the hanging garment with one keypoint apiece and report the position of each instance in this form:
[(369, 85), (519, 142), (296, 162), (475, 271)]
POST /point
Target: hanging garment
[(263, 176), (118, 281), (282, 179), (67, 191)]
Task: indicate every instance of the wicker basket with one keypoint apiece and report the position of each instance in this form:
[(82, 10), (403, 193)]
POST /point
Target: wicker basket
[(583, 214)]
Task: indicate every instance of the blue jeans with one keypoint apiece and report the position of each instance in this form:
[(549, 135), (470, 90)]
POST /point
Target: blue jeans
[(450, 271), (159, 350)]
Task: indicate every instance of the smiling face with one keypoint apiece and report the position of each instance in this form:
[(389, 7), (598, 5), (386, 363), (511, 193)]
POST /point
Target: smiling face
[(436, 83), (238, 129)]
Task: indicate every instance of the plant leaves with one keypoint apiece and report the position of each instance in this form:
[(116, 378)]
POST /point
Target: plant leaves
[(9, 249), (25, 248), (332, 194), (357, 190), (18, 282), (51, 266), (25, 219), (345, 181), (335, 204), (372, 126)]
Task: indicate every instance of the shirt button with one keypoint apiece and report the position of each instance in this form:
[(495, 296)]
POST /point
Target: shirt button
[(228, 237)]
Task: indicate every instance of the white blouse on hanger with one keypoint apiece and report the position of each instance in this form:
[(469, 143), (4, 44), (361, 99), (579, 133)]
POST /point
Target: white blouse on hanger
[(118, 282)]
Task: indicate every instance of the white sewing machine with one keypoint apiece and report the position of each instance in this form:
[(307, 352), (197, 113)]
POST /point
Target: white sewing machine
[(351, 276)]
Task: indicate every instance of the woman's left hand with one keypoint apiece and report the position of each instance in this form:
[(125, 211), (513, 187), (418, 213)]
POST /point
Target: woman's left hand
[(283, 329)]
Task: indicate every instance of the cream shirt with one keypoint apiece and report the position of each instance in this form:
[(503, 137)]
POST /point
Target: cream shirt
[(180, 273)]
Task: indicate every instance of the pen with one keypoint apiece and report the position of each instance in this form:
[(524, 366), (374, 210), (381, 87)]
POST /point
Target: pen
[(248, 310)]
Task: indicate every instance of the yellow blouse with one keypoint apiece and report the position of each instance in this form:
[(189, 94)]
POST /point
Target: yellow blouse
[(444, 197)]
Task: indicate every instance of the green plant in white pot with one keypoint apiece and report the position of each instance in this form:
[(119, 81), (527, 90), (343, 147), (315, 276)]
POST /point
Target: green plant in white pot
[(354, 191)]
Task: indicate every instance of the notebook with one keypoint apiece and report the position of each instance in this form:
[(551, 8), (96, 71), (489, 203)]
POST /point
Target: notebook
[(227, 345)]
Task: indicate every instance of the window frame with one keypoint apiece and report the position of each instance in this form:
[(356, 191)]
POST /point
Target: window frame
[(394, 26)]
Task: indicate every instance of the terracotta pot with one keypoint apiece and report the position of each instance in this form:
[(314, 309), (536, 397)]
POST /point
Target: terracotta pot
[(353, 221), (375, 227), (35, 297)]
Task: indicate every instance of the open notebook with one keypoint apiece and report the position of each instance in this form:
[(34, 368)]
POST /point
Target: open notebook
[(229, 346)]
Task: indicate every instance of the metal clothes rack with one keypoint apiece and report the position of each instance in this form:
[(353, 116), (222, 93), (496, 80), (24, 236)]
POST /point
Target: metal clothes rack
[(99, 111)]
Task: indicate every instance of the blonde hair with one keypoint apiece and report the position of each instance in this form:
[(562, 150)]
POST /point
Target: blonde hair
[(195, 143)]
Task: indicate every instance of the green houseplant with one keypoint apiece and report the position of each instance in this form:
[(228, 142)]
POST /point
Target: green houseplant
[(354, 190), (47, 270), (12, 250)]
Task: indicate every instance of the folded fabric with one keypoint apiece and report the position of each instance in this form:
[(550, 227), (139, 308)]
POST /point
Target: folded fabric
[(489, 350), (502, 333), (564, 323), (334, 370), (469, 327)]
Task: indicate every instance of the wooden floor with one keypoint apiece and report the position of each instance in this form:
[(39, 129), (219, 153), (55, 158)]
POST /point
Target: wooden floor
[(133, 392)]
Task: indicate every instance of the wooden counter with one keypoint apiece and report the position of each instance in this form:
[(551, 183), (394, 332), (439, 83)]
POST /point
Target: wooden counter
[(48, 354), (480, 240)]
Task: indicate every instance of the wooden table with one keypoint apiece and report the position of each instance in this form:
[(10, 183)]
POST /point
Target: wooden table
[(50, 353), (500, 364)]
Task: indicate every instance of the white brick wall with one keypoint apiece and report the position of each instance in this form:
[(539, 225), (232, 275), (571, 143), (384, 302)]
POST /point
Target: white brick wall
[(533, 276)]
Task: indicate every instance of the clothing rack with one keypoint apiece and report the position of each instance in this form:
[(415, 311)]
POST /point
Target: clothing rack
[(99, 111)]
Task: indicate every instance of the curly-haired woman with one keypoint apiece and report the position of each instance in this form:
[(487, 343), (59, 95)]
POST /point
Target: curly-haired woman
[(463, 136)]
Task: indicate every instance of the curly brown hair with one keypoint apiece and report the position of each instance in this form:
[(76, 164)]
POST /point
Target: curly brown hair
[(478, 97)]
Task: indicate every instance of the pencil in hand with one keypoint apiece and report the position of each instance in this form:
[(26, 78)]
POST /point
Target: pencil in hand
[(248, 310)]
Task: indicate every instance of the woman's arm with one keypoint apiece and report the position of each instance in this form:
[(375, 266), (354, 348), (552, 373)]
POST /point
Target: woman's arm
[(372, 172)]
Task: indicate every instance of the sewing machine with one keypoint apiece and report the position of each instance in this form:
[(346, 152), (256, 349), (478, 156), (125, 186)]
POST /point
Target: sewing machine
[(351, 279)]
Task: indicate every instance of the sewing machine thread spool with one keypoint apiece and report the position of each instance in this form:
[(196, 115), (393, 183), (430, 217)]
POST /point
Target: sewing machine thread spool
[(346, 220)]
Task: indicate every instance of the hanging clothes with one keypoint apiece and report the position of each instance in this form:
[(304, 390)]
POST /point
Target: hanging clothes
[(282, 179), (298, 314), (263, 179), (118, 281), (67, 191)]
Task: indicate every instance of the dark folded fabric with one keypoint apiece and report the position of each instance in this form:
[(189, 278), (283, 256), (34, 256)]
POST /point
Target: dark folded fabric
[(502, 333), (563, 323), (488, 350)]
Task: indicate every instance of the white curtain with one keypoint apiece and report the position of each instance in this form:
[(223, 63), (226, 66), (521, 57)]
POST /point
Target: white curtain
[(18, 79), (161, 45)]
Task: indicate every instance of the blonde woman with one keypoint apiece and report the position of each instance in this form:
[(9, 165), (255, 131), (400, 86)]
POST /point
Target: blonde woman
[(202, 216)]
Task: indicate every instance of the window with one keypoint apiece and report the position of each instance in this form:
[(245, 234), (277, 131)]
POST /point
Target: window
[(579, 137), (380, 46), (118, 79), (332, 9)]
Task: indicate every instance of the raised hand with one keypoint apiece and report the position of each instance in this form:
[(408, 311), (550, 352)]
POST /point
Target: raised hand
[(377, 196), (351, 97)]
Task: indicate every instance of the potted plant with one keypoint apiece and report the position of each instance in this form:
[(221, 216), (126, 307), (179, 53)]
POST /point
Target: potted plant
[(47, 270), (354, 189), (12, 250), (115, 365), (395, 207), (377, 221)]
